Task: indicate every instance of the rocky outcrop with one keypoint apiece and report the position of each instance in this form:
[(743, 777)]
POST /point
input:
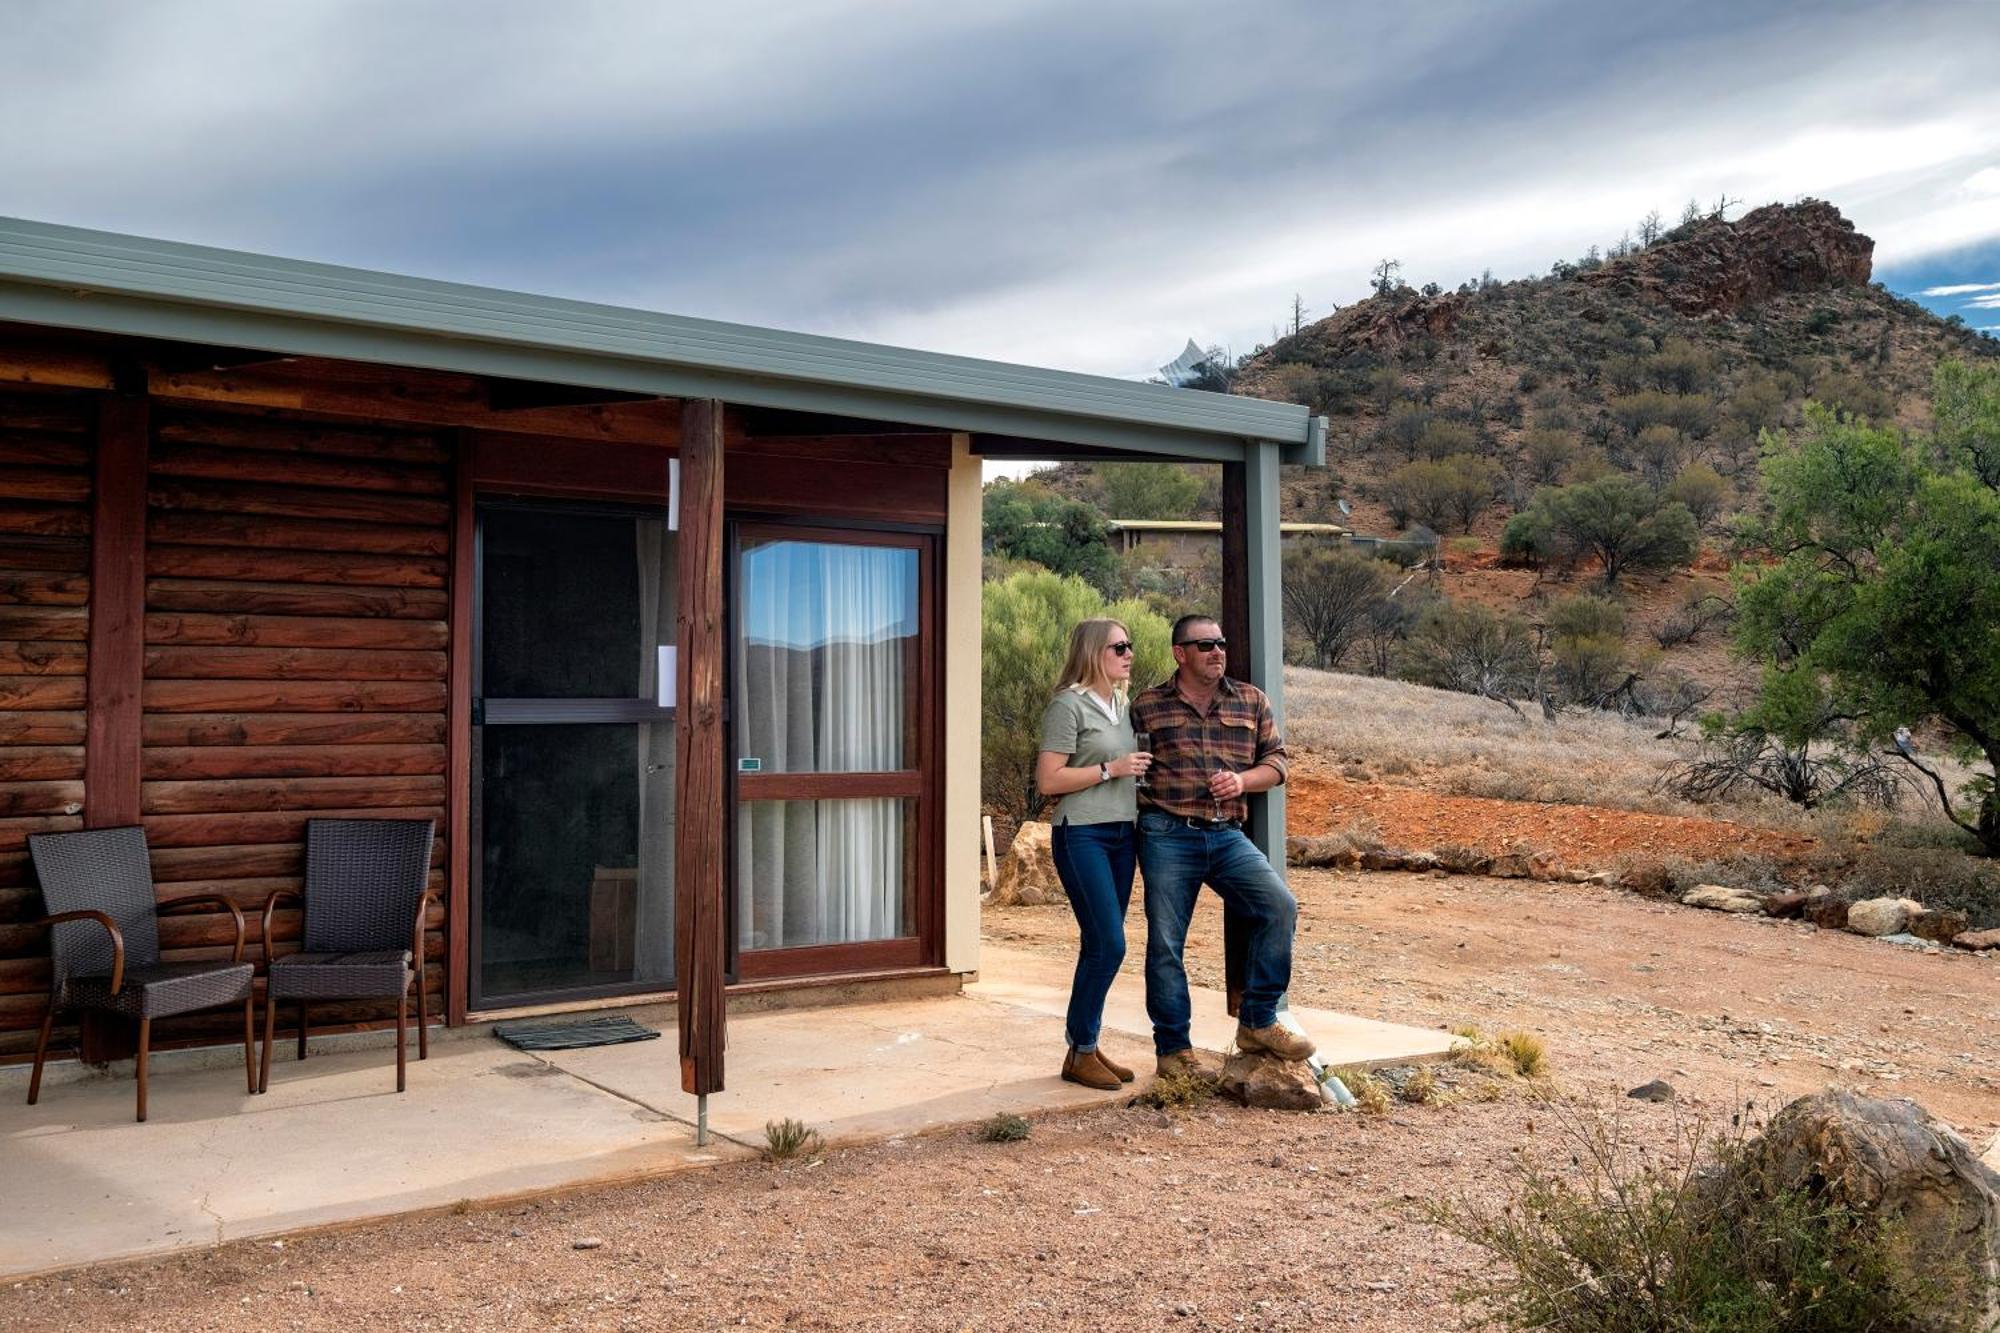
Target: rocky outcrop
[(1717, 267), (1380, 326), (1027, 875)]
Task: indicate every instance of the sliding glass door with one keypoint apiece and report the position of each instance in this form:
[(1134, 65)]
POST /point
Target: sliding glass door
[(573, 753), (831, 683)]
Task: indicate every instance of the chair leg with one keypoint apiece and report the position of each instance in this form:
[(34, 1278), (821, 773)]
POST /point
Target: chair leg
[(423, 1019), (302, 1029), (250, 1043), (145, 1043), (270, 1037), (402, 1023), (41, 1050)]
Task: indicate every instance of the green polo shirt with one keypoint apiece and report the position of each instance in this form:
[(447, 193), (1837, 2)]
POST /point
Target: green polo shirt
[(1075, 726)]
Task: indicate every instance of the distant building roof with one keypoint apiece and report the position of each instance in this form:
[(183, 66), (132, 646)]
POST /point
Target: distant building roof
[(1215, 525)]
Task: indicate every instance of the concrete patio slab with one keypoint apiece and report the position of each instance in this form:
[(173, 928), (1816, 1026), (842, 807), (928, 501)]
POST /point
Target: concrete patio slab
[(333, 1143)]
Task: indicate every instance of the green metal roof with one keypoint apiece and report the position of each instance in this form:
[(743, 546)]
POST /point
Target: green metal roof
[(100, 281)]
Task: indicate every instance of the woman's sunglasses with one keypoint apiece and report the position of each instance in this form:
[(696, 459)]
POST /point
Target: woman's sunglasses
[(1204, 645), (1123, 648)]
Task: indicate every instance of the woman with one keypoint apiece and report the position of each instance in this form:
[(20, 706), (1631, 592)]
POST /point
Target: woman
[(1088, 759)]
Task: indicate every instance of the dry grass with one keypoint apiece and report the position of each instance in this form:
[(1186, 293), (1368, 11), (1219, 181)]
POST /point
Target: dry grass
[(1371, 1094), (1367, 728)]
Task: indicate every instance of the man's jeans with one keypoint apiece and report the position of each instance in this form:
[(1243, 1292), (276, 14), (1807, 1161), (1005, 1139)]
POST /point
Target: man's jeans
[(1176, 861)]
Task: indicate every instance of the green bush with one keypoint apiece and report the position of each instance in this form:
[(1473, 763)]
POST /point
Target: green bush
[(1004, 1127), (1147, 490), (1026, 622), (1466, 647), (1611, 1239), (1026, 520)]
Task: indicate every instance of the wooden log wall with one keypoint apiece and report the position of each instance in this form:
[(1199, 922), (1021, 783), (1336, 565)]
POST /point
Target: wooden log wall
[(45, 491), (295, 641)]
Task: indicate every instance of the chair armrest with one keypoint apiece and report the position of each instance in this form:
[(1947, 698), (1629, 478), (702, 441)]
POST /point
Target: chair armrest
[(271, 911), (417, 934), (166, 905), (117, 939)]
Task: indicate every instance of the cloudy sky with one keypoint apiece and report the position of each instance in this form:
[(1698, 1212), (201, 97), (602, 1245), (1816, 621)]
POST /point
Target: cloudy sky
[(1083, 186)]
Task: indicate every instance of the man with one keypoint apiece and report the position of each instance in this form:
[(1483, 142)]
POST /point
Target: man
[(1214, 741)]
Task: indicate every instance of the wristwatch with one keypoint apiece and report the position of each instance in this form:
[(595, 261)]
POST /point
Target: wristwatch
[(1104, 772)]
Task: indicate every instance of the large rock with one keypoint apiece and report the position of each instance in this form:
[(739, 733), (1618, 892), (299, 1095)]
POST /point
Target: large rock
[(1722, 898), (1977, 939), (1718, 267), (1028, 871), (1881, 916), (1825, 908), (1887, 1160), (1992, 1157), (1943, 924), (1790, 903), (1460, 860), (1270, 1082)]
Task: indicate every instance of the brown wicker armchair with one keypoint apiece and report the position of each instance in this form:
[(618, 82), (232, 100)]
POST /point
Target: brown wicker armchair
[(366, 892), (104, 941)]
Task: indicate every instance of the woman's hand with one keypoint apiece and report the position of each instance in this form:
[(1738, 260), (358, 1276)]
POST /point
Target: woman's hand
[(1133, 765)]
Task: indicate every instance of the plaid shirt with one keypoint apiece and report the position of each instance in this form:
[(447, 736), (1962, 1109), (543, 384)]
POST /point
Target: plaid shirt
[(1237, 733)]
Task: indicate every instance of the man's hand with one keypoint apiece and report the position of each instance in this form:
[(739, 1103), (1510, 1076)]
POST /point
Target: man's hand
[(1224, 785)]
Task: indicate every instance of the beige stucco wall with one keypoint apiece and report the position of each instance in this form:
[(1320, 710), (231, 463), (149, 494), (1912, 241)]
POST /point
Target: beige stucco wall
[(961, 711)]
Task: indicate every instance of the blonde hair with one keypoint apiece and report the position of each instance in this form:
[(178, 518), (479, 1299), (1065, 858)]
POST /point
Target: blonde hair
[(1085, 664)]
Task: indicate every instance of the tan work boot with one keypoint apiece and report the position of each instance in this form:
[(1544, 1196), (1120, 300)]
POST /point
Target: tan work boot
[(1085, 1068), (1276, 1039), (1124, 1075), (1181, 1062)]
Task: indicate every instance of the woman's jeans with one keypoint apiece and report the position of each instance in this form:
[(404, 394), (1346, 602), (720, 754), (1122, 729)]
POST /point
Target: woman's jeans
[(1178, 861), (1095, 863)]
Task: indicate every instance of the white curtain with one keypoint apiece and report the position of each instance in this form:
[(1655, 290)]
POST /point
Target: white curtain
[(820, 686), (653, 932)]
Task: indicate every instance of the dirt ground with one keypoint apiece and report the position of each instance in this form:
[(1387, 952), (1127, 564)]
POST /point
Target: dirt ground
[(1217, 1218), (1585, 837)]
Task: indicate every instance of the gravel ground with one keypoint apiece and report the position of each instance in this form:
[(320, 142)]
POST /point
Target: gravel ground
[(1136, 1218)]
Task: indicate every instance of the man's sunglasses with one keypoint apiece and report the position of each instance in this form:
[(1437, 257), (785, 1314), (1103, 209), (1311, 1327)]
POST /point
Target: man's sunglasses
[(1203, 645), (1123, 648)]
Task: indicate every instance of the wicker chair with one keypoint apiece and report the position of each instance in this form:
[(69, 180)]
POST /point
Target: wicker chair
[(363, 938), (105, 941)]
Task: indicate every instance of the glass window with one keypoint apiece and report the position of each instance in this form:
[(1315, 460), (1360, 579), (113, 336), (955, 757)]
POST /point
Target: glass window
[(826, 661), (822, 872)]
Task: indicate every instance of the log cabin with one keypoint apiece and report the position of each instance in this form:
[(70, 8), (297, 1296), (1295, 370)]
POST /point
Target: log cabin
[(671, 625)]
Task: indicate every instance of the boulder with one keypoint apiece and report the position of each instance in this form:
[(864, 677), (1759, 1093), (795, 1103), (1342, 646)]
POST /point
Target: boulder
[(1464, 860), (1977, 939), (1887, 1160), (1992, 1157), (1722, 898), (1028, 871), (1941, 924), (1420, 863), (1509, 865), (1333, 849), (1825, 908), (1790, 903), (1543, 864), (1880, 916), (1659, 1090), (1269, 1082), (1383, 858), (1648, 879)]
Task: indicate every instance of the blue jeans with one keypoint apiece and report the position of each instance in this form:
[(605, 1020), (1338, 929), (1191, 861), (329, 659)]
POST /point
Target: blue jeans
[(1177, 861), (1094, 862)]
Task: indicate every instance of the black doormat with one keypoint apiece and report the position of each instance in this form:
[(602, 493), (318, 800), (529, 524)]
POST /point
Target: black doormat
[(569, 1036)]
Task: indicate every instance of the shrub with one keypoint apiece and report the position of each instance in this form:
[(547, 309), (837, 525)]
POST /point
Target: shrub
[(1004, 1127), (1330, 595), (1622, 522), (1615, 1240), (1026, 520), (1177, 1090), (1147, 490), (1371, 1096), (1702, 489), (1525, 1051), (1026, 623), (1585, 615), (789, 1138), (1468, 648)]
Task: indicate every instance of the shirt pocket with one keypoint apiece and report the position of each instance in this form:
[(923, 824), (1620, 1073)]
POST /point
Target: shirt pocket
[(1237, 736)]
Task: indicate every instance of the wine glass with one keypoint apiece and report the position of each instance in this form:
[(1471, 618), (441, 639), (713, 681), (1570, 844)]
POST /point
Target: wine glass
[(1144, 741)]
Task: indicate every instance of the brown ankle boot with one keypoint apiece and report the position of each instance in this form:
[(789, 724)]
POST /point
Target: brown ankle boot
[(1124, 1075), (1087, 1069)]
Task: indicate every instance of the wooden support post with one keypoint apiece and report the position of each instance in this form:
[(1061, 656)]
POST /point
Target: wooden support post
[(1235, 628), (458, 743), (700, 945), (115, 671)]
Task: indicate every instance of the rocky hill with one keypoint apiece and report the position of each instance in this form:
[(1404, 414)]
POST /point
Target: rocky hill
[(1657, 360)]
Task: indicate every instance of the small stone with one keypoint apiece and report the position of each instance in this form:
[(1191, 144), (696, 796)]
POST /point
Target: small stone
[(587, 1243), (1659, 1090), (1184, 1310), (1790, 903)]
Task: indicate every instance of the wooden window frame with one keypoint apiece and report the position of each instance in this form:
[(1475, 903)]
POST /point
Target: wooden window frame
[(924, 860)]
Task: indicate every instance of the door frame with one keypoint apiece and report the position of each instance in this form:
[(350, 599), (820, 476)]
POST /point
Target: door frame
[(585, 712), (923, 880)]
